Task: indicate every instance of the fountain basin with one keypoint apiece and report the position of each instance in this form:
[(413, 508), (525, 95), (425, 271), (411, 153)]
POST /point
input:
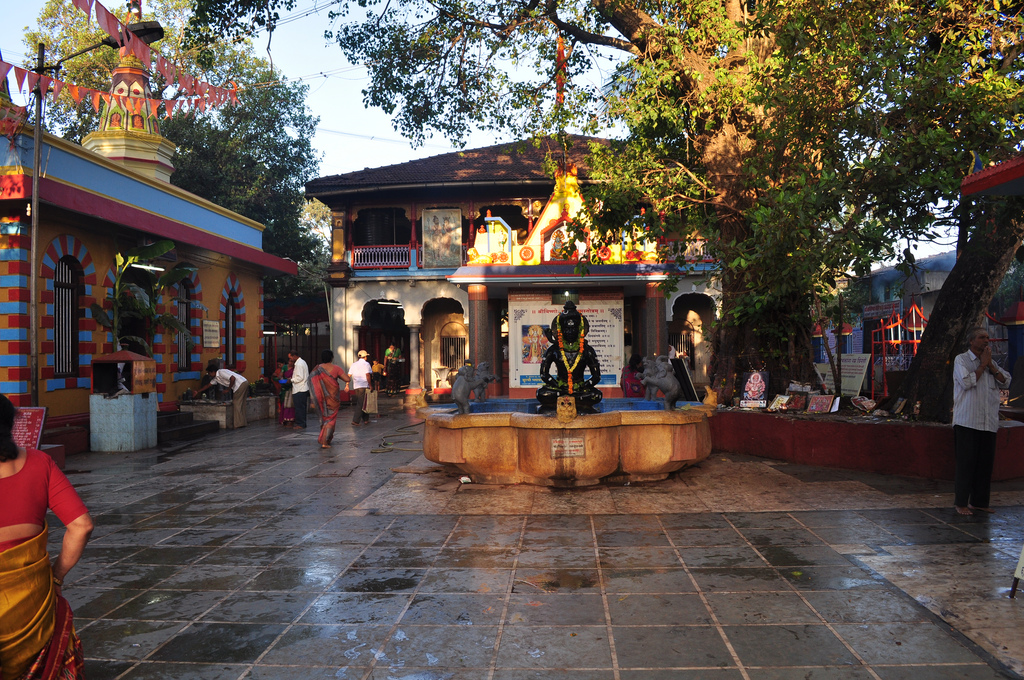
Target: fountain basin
[(511, 446)]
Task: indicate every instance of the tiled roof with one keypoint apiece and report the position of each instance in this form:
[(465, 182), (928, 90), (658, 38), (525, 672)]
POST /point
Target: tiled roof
[(1001, 179), (509, 162)]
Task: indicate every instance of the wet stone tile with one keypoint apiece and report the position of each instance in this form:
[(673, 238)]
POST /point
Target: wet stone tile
[(305, 555), (665, 609), (642, 647), (209, 577), (105, 669), (761, 520), (639, 557), (477, 557), (831, 578), (627, 523), (334, 646), (379, 580), (202, 537), (607, 538), (904, 643), (721, 556), (866, 606), (690, 521), (760, 608), (818, 673), (555, 610), (314, 578), (660, 580), (273, 537), (159, 554), (737, 579), (557, 557), (727, 536), (262, 607), (168, 605), (788, 645), (125, 575), (114, 639), (789, 556), (243, 557), (454, 609), (978, 671), (219, 643), (529, 581), (397, 557), (442, 648), (371, 608), (535, 538), (99, 554), (780, 537), (554, 647), (931, 535), (175, 671), (92, 603)]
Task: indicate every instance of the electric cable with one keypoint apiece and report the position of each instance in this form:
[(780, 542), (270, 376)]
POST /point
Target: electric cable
[(390, 441)]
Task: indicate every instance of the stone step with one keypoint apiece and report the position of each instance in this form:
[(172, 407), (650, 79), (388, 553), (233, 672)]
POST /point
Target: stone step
[(173, 419), (194, 430)]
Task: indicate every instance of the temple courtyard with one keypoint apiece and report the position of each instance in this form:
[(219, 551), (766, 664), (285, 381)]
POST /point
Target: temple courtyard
[(255, 554)]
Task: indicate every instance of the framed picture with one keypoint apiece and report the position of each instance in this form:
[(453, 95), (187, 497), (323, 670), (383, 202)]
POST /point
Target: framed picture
[(442, 238), (755, 390), (796, 402), (779, 402), (819, 403)]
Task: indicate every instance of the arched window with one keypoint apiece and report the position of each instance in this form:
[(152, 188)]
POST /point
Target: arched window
[(184, 315), (65, 317), (454, 344)]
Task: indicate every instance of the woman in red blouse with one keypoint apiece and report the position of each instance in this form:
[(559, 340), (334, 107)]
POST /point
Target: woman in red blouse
[(37, 636)]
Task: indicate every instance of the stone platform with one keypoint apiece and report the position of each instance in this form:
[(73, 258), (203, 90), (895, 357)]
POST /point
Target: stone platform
[(256, 408)]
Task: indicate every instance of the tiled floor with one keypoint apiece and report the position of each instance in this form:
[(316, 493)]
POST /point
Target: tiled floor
[(257, 555)]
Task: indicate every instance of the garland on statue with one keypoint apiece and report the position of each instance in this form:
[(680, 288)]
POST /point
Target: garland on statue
[(577, 347)]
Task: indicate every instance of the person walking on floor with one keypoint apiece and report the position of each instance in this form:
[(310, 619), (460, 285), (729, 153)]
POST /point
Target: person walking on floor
[(359, 372), (238, 385), (325, 383), (976, 384), (300, 388)]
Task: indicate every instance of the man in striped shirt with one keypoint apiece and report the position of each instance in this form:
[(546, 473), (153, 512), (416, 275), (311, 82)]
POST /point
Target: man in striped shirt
[(976, 384)]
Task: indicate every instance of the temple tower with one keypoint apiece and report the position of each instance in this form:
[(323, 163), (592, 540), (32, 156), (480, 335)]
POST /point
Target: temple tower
[(129, 132)]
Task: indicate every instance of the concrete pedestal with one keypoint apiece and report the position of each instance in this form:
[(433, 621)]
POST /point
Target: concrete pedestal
[(125, 423)]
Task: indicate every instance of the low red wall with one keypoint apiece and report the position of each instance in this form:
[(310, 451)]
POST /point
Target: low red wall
[(898, 448)]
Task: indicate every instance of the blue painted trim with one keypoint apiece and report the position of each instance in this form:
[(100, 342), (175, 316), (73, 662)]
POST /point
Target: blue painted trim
[(13, 334), (19, 387), (14, 281), (14, 361), (13, 308), (14, 255)]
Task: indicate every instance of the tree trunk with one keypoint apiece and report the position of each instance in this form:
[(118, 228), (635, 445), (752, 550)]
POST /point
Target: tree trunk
[(961, 305)]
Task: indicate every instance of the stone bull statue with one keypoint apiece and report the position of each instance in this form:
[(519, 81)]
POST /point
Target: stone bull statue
[(470, 381), (658, 375)]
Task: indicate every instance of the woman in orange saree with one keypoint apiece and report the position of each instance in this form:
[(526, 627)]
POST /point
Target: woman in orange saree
[(325, 389), (37, 636)]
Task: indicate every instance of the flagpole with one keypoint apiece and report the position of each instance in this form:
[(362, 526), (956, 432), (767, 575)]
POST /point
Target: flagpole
[(33, 257)]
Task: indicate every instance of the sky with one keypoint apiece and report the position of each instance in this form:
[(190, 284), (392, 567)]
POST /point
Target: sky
[(349, 136)]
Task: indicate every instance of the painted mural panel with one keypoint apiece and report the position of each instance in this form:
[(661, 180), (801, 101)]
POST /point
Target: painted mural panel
[(530, 314), (442, 238)]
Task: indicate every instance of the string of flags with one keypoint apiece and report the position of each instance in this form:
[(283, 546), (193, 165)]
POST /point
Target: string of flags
[(199, 95)]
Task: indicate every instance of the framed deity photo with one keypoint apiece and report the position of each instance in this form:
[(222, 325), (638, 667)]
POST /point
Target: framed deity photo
[(442, 238)]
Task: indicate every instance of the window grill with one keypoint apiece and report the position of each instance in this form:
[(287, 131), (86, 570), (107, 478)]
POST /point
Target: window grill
[(185, 319), (453, 351), (65, 319), (231, 334)]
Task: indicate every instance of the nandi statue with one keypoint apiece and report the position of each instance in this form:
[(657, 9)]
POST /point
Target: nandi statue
[(659, 375)]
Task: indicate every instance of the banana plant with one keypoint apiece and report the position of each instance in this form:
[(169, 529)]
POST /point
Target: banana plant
[(134, 301)]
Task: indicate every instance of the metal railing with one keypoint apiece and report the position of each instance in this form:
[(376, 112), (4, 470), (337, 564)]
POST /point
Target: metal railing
[(381, 257)]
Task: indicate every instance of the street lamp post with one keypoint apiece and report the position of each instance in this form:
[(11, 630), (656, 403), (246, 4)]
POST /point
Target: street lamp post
[(146, 31)]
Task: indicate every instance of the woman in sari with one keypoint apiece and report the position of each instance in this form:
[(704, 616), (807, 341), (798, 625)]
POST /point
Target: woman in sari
[(37, 635), (325, 389)]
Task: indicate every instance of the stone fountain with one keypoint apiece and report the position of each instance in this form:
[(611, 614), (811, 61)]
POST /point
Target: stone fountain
[(570, 436)]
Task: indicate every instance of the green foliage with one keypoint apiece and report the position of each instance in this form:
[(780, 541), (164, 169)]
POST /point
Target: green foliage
[(139, 302), (801, 140), (316, 224)]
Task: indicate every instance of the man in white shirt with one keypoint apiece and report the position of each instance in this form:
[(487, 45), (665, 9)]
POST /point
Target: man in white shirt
[(360, 371), (976, 384), (300, 389), (238, 385)]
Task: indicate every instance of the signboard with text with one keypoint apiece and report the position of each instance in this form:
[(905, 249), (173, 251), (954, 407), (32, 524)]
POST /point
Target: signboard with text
[(855, 367), (28, 426), (211, 334), (530, 313)]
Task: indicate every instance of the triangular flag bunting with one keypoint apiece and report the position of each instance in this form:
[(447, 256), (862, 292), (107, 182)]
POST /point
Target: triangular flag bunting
[(31, 79), (19, 77), (96, 101), (85, 6), (169, 107), (5, 68), (57, 87), (76, 93)]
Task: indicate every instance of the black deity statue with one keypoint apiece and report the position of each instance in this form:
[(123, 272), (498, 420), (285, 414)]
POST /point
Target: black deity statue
[(571, 356)]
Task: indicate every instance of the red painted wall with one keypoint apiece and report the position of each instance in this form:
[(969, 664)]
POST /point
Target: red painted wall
[(898, 448)]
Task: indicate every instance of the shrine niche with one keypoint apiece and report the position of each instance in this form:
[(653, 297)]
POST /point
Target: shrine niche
[(442, 238)]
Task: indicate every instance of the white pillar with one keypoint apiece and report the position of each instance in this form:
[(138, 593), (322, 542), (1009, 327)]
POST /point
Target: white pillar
[(414, 357)]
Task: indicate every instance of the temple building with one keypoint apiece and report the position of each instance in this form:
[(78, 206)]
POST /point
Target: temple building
[(98, 200), (459, 257)]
